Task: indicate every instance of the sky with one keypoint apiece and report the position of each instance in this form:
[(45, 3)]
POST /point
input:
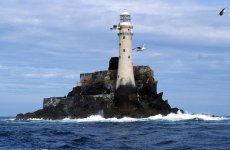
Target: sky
[(45, 45)]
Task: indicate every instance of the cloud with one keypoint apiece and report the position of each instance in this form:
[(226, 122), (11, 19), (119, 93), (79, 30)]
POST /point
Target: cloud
[(155, 17), (23, 77), (18, 80), (21, 86), (46, 73), (49, 75), (192, 32), (40, 75), (2, 67), (176, 63)]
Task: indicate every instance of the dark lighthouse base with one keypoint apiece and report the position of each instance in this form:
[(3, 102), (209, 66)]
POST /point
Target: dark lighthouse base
[(125, 98)]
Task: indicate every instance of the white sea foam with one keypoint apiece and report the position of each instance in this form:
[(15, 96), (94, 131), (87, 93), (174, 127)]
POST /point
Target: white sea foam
[(170, 117), (180, 116), (98, 118), (8, 119), (35, 119)]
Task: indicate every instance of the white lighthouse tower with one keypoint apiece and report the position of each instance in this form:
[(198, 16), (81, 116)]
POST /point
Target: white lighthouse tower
[(125, 74), (125, 97)]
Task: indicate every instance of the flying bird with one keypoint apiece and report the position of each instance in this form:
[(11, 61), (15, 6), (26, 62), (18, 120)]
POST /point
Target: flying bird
[(222, 11), (141, 48)]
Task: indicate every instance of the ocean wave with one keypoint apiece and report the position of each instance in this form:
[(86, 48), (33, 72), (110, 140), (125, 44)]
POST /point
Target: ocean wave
[(186, 116), (99, 118), (36, 119), (170, 117), (7, 118)]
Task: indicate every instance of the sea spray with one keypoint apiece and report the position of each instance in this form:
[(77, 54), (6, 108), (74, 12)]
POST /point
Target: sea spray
[(170, 117)]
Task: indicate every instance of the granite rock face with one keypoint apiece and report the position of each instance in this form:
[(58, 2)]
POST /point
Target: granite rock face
[(96, 94)]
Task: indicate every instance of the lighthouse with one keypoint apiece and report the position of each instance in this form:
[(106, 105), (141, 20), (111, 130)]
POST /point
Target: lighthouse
[(125, 74), (125, 95)]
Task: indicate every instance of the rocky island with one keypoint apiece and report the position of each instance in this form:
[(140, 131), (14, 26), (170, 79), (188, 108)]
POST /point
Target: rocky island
[(95, 95), (123, 90)]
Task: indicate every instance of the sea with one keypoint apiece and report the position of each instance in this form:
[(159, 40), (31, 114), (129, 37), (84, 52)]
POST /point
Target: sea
[(171, 132)]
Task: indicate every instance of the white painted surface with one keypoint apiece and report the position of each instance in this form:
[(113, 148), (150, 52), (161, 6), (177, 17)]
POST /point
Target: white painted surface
[(125, 12), (125, 73)]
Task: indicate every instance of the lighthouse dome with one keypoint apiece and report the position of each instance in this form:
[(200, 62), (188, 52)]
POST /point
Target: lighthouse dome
[(125, 12)]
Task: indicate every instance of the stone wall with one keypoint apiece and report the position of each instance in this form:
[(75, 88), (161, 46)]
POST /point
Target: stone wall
[(99, 76)]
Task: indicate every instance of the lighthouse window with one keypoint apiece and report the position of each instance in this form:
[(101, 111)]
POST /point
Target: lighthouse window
[(129, 57), (117, 76), (120, 44), (128, 29), (123, 50), (123, 37), (125, 18)]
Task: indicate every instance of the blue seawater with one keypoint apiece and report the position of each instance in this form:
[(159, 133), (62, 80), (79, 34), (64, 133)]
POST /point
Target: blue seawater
[(175, 131)]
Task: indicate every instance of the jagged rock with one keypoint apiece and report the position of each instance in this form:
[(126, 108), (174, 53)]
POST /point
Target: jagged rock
[(95, 94)]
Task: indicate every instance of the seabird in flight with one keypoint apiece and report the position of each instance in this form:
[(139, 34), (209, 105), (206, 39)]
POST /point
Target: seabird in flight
[(141, 48), (222, 11)]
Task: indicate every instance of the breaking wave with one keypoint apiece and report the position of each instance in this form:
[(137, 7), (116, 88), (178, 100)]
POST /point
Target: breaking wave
[(170, 117)]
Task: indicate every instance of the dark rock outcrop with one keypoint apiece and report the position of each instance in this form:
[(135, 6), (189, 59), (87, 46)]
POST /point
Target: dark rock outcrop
[(96, 94)]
